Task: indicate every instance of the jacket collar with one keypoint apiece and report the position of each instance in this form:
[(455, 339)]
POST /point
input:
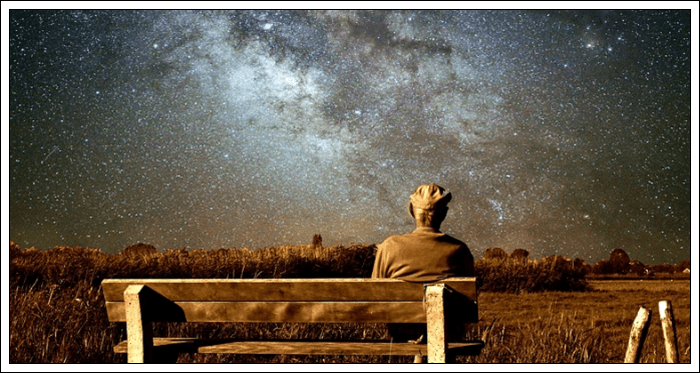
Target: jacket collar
[(426, 230)]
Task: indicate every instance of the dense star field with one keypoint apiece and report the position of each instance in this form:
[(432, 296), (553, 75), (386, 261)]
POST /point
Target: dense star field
[(564, 132)]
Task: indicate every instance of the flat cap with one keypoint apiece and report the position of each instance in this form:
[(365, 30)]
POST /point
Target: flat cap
[(427, 197)]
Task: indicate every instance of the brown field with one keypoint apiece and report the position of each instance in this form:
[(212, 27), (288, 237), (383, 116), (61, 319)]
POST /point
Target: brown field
[(593, 326), (57, 311)]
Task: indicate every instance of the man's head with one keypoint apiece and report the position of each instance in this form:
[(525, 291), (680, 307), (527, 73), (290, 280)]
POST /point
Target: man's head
[(428, 205)]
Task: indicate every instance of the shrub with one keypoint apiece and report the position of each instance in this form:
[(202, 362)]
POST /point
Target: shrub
[(67, 267), (520, 254), (495, 253), (602, 267), (517, 276), (14, 249), (140, 249)]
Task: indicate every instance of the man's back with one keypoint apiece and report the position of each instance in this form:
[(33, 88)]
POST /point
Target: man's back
[(424, 255)]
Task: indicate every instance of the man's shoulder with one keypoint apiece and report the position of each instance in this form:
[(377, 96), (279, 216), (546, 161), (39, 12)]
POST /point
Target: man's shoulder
[(453, 240), (412, 237), (391, 239), (396, 242)]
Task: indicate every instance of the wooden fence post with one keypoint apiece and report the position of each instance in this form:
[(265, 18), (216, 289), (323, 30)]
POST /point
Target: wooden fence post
[(640, 327), (668, 325), (435, 313)]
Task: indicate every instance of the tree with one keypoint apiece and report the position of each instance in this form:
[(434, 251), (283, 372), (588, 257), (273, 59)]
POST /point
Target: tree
[(602, 267), (139, 249), (14, 249), (495, 253), (619, 261), (638, 267), (520, 254), (317, 241), (587, 268), (663, 268)]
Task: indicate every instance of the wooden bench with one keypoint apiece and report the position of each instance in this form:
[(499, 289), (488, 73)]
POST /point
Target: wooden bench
[(443, 305)]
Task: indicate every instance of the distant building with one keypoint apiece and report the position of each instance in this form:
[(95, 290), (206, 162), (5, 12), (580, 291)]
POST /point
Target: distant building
[(687, 270)]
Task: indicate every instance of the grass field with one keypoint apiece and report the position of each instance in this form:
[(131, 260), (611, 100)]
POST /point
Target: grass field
[(592, 326), (57, 312)]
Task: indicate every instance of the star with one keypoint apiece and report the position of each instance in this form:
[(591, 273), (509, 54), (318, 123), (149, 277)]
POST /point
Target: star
[(261, 128)]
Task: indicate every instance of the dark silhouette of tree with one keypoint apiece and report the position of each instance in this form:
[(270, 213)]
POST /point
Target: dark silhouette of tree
[(317, 241), (495, 254), (619, 261), (587, 268), (602, 267), (663, 268), (139, 249), (638, 267), (520, 254), (558, 260), (14, 249)]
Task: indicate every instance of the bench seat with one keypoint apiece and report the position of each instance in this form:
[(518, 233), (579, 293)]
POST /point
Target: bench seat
[(301, 347)]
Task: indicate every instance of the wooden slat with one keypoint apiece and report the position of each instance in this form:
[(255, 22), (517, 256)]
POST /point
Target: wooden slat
[(291, 312), (283, 289), (191, 345)]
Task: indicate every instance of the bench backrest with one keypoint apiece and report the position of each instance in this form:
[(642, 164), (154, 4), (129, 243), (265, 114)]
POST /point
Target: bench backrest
[(289, 300)]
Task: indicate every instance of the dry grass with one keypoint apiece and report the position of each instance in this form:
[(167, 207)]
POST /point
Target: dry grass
[(581, 327), (520, 276), (57, 311)]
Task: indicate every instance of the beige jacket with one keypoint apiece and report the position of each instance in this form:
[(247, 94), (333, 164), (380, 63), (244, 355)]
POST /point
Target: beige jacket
[(424, 255)]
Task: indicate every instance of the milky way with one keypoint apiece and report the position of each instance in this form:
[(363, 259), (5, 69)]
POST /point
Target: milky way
[(563, 132)]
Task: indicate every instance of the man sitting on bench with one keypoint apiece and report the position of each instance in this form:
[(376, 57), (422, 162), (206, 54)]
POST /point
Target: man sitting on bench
[(424, 255)]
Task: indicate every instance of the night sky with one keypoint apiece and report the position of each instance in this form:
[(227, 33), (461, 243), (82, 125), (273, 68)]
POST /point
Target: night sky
[(562, 132)]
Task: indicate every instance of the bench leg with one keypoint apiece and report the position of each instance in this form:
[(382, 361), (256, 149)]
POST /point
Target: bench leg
[(435, 314), (139, 331)]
